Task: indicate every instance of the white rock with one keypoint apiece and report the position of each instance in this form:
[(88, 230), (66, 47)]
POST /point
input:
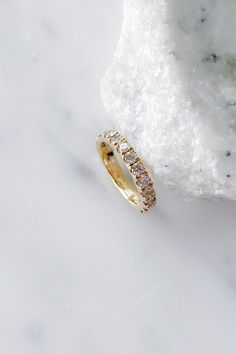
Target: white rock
[(172, 91)]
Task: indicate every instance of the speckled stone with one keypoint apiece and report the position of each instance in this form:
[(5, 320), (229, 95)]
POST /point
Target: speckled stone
[(172, 91)]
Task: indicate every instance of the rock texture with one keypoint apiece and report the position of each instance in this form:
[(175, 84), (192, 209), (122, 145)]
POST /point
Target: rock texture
[(172, 91)]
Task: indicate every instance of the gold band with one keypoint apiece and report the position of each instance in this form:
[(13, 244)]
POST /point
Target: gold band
[(126, 170)]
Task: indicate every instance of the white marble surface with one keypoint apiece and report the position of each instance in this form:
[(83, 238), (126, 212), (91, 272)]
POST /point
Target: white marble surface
[(80, 271)]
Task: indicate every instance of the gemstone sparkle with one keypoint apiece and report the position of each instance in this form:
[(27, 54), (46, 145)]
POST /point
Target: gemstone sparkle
[(130, 157)]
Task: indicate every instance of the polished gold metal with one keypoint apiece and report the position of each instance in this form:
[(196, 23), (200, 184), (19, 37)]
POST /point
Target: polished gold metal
[(126, 170)]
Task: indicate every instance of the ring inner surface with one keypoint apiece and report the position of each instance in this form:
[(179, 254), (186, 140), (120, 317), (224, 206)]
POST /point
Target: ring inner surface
[(119, 173)]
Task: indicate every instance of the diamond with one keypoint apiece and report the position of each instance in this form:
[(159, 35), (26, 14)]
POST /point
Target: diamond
[(110, 133), (130, 157), (143, 181), (148, 190), (137, 169), (123, 147), (115, 139), (149, 204), (150, 199)]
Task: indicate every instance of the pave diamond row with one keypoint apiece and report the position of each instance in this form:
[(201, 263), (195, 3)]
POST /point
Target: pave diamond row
[(139, 173)]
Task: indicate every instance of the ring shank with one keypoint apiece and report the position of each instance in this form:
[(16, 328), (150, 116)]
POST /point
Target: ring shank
[(117, 171)]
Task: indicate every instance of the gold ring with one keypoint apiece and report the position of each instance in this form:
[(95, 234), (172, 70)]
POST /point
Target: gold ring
[(126, 170)]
